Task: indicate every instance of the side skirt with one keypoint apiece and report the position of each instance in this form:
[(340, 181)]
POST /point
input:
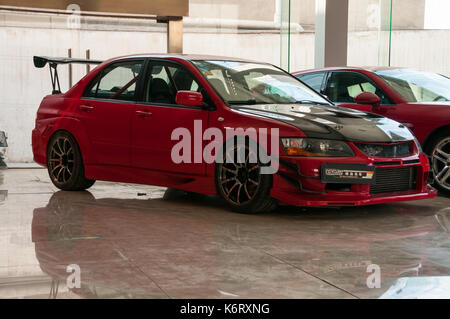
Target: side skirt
[(192, 183)]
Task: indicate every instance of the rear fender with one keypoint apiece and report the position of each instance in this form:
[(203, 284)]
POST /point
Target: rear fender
[(76, 128)]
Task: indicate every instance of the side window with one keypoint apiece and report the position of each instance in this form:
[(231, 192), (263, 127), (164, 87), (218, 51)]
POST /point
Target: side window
[(117, 82), (343, 87), (165, 80), (159, 88), (314, 80)]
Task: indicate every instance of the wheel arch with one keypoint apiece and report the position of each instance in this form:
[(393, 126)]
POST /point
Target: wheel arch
[(248, 141), (436, 132), (75, 128)]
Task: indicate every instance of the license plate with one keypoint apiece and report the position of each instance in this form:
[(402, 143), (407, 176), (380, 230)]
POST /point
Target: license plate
[(348, 173)]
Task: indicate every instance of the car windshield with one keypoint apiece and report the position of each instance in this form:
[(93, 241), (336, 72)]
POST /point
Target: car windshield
[(418, 86), (240, 83)]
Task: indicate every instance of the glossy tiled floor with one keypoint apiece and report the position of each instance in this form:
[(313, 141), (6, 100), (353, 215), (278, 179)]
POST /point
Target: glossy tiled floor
[(165, 243)]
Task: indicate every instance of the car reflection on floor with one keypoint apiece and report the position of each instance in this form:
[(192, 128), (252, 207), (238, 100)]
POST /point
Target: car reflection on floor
[(188, 246)]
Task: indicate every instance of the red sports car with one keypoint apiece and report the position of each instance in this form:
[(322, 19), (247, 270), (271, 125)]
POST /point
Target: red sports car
[(248, 131), (418, 99)]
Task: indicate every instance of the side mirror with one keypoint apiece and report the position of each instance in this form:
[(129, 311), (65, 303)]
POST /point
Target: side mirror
[(368, 98), (189, 98)]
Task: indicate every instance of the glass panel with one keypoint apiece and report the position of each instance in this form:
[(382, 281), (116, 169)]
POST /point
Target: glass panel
[(418, 86), (343, 87), (280, 32), (296, 21), (118, 82), (399, 33), (183, 79), (253, 83), (368, 32), (314, 80), (166, 80), (385, 33), (285, 33), (244, 29), (159, 88)]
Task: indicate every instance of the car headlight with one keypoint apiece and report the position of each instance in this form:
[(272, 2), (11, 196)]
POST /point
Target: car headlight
[(299, 146), (419, 147)]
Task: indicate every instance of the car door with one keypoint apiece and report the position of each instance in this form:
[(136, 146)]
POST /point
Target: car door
[(343, 86), (106, 109), (157, 115)]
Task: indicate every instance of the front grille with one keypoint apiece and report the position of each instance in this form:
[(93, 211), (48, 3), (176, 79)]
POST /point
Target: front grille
[(393, 179), (394, 163), (411, 162), (385, 150)]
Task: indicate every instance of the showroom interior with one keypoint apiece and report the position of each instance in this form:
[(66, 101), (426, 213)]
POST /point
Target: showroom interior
[(137, 240)]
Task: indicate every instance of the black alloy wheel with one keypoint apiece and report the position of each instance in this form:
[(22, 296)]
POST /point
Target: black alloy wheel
[(61, 160), (65, 164), (239, 181)]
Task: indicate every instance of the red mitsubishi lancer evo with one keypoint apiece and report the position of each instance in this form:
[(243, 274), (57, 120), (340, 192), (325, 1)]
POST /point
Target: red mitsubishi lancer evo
[(246, 131)]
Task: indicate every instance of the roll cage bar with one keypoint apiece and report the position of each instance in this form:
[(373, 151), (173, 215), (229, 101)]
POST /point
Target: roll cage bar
[(53, 62)]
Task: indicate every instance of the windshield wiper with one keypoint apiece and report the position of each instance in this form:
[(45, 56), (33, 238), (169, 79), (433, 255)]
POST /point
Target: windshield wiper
[(247, 102), (311, 102)]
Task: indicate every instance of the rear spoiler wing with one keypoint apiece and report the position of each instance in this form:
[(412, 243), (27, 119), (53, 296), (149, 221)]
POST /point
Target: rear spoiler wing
[(53, 62)]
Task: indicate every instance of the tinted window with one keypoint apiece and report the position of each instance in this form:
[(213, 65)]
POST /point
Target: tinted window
[(418, 86), (239, 82), (117, 81), (165, 80), (314, 80), (343, 87)]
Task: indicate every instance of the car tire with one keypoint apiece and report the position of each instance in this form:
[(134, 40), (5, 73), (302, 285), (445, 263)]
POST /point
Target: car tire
[(241, 185), (439, 151), (65, 164)]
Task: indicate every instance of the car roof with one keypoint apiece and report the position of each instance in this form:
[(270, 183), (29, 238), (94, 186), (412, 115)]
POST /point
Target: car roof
[(351, 68), (187, 57)]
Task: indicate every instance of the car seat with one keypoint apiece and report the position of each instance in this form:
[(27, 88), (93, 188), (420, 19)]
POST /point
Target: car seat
[(160, 92)]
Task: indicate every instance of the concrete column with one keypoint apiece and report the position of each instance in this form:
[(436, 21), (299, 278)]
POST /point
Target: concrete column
[(331, 33), (175, 36)]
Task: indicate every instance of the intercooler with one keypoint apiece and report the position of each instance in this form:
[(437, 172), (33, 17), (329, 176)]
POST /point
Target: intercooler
[(394, 179)]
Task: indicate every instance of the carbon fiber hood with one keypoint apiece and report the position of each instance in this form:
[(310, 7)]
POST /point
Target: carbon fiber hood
[(331, 122)]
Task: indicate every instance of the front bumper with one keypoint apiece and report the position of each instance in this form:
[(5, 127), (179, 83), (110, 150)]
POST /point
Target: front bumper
[(351, 200), (298, 182)]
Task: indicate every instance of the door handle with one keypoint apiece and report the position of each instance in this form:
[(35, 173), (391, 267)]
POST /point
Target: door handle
[(143, 114), (86, 108)]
